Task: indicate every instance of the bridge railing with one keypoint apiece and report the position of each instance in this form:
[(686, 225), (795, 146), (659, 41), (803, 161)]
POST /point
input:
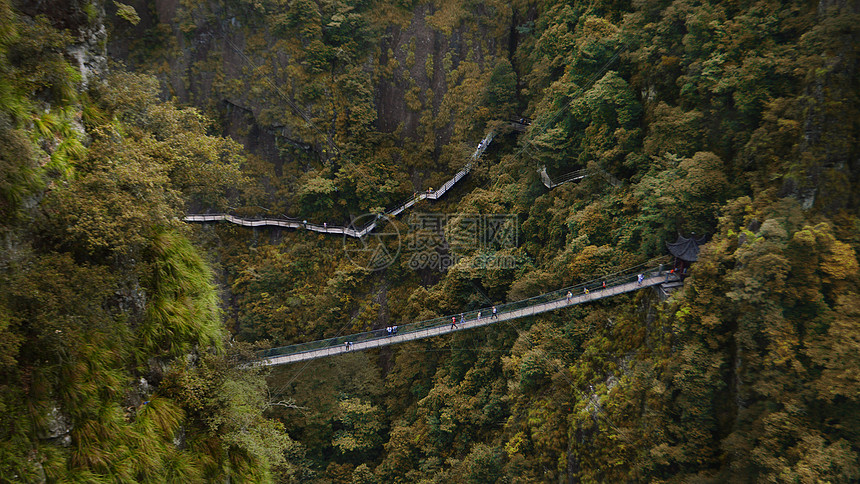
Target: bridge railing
[(571, 176), (594, 287)]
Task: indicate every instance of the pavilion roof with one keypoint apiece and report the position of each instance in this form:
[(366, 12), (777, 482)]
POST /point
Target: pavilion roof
[(686, 248)]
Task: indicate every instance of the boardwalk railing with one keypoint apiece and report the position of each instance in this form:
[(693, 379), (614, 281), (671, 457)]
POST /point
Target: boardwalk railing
[(294, 223), (575, 176), (568, 177), (618, 283)]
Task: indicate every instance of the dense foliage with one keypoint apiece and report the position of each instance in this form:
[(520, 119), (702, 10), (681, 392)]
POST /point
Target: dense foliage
[(715, 119), (730, 119), (109, 316)]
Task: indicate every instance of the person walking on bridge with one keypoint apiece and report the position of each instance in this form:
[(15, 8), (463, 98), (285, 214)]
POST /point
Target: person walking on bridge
[(453, 322), (494, 316), (569, 295), (640, 278)]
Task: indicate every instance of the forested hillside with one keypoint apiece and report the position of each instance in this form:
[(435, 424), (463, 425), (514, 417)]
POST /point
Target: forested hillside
[(116, 366), (124, 330)]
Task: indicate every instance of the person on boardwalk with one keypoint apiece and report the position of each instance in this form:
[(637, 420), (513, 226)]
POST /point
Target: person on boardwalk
[(346, 346), (479, 316), (640, 278), (388, 328), (394, 329), (462, 318), (604, 284), (585, 290), (494, 316), (569, 295), (453, 322)]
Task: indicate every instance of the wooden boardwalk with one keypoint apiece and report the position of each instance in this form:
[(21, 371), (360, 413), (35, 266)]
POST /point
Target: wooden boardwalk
[(351, 231), (485, 320)]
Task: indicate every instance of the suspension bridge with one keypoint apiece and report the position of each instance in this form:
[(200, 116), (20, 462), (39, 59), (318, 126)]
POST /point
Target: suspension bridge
[(620, 283)]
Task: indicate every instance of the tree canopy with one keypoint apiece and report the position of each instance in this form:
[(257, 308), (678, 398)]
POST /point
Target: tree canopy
[(125, 333)]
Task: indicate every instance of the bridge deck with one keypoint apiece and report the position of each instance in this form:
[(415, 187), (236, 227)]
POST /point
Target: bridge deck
[(469, 324)]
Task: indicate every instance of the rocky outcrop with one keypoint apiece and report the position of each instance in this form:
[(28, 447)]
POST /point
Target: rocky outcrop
[(221, 58)]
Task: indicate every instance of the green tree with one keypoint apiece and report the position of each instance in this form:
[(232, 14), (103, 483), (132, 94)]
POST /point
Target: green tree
[(227, 429), (501, 91), (361, 426)]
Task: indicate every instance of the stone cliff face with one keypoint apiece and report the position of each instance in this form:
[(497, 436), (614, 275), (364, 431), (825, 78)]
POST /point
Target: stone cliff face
[(298, 90), (429, 47), (69, 15), (831, 93), (85, 22)]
